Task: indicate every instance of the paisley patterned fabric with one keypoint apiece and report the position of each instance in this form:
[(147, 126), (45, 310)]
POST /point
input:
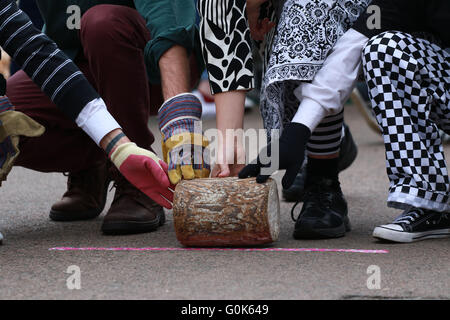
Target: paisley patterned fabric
[(306, 32), (297, 48), (293, 52)]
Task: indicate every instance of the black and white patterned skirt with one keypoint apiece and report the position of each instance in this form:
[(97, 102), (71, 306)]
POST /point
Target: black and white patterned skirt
[(294, 52)]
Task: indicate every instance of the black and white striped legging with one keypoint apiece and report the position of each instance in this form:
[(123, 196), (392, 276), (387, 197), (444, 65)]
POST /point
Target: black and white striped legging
[(326, 139)]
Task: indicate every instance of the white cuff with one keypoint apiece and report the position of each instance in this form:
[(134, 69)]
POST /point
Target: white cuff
[(334, 82), (96, 121), (310, 113)]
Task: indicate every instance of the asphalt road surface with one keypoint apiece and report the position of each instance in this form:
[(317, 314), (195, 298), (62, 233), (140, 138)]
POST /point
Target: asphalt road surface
[(29, 270)]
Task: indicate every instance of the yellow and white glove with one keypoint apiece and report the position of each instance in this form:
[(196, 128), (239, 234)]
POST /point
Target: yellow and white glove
[(184, 145)]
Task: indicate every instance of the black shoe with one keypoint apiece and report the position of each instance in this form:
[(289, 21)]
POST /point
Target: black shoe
[(415, 224), (324, 213), (347, 154)]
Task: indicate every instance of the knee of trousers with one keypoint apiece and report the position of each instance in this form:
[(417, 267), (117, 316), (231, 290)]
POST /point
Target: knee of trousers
[(103, 26), (384, 45)]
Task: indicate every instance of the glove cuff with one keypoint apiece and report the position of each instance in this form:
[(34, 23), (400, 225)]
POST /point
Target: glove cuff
[(5, 104), (121, 153), (185, 106), (125, 150)]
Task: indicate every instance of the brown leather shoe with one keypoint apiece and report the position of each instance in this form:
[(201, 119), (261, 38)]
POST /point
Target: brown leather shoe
[(131, 211), (85, 197)]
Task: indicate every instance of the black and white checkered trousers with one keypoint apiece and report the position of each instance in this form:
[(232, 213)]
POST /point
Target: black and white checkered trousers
[(409, 81)]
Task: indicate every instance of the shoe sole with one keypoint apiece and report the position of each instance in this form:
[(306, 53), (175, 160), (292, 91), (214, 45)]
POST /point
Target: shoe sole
[(383, 233), (62, 216), (133, 227), (305, 232)]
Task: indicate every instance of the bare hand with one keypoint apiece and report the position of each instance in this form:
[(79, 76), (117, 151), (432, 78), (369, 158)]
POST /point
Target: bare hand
[(258, 28), (230, 158), (226, 170)]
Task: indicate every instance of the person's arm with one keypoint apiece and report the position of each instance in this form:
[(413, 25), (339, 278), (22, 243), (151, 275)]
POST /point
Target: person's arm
[(332, 85), (325, 95), (258, 28), (229, 63), (57, 76), (64, 83), (226, 43), (230, 123), (172, 24)]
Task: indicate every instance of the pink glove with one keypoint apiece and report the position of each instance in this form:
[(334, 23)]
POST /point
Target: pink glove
[(145, 171)]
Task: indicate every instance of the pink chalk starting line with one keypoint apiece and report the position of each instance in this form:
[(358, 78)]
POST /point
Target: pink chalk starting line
[(223, 249)]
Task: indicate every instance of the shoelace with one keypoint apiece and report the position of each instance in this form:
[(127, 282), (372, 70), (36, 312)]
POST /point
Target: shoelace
[(409, 216), (74, 180), (123, 188), (317, 195)]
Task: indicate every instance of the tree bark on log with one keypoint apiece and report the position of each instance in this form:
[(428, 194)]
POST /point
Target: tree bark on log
[(226, 212)]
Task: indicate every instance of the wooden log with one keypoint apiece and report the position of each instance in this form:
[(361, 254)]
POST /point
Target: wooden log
[(226, 212)]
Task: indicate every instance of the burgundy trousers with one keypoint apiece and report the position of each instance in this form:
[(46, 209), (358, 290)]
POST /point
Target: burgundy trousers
[(113, 40)]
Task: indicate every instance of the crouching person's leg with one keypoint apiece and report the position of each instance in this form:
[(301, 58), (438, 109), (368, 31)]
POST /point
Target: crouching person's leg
[(347, 155), (113, 40), (324, 213), (62, 148), (408, 81)]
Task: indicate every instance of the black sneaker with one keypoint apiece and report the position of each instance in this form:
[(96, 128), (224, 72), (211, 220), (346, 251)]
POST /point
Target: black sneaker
[(324, 213), (347, 154), (415, 224)]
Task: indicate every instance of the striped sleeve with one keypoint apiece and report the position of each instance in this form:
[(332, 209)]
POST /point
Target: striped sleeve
[(40, 58)]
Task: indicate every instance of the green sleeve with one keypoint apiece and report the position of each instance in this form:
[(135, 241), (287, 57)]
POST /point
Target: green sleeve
[(171, 22)]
